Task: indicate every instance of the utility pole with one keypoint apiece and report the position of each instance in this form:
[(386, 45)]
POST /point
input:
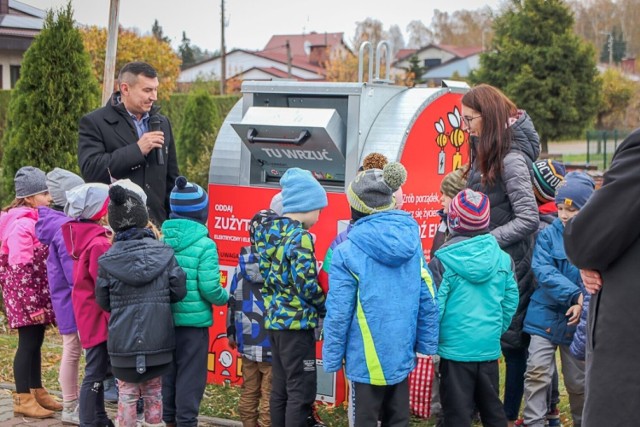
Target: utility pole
[(610, 49), (112, 48), (288, 59), (223, 51)]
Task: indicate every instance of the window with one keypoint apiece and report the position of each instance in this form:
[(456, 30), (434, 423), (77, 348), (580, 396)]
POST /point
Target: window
[(14, 73), (432, 62)]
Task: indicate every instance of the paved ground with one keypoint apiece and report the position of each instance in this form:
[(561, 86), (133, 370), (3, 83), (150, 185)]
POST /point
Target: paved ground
[(569, 147), (7, 419)]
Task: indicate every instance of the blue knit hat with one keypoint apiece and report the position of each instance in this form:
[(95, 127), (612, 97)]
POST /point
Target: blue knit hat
[(576, 190), (301, 192), (188, 201)]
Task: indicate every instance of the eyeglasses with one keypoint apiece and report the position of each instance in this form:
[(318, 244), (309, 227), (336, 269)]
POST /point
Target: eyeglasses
[(467, 120)]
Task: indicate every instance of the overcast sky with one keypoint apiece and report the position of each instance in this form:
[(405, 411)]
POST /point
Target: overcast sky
[(250, 23)]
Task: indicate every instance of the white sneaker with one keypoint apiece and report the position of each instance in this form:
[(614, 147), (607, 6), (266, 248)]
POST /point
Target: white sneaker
[(70, 415)]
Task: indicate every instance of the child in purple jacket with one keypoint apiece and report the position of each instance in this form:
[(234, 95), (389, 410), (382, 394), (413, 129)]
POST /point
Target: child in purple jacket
[(25, 292), (60, 277)]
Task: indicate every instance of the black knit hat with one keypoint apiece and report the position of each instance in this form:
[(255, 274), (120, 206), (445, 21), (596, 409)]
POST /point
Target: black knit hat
[(126, 209), (189, 201)]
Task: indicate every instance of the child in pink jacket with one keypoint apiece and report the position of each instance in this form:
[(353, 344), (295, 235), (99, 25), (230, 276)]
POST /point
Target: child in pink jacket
[(23, 276)]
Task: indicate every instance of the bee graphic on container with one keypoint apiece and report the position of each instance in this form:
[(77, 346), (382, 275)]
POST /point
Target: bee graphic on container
[(441, 141), (456, 137)]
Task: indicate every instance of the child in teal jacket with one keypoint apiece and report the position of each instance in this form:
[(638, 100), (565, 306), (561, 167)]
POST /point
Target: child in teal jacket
[(478, 296), (186, 232)]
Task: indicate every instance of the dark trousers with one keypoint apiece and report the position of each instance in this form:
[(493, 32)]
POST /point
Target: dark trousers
[(183, 386), (387, 403), (27, 363), (468, 385), (91, 405), (293, 373), (516, 366)]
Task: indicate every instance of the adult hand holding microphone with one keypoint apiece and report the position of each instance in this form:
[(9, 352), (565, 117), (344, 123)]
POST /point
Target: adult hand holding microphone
[(153, 139)]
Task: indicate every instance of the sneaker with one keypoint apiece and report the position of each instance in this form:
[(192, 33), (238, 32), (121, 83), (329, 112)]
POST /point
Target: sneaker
[(314, 419), (110, 390), (553, 418), (70, 415)]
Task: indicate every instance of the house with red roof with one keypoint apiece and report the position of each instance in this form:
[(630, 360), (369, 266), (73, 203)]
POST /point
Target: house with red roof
[(300, 57), (19, 25)]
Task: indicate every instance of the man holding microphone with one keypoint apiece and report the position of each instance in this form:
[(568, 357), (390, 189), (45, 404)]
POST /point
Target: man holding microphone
[(128, 138)]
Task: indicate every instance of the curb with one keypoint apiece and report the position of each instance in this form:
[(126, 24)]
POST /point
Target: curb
[(221, 422)]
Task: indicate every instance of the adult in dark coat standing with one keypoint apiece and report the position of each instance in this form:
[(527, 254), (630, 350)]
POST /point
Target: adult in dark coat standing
[(504, 144), (604, 241), (116, 141)]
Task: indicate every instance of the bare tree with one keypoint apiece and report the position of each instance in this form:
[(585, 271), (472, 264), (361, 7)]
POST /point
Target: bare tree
[(419, 34)]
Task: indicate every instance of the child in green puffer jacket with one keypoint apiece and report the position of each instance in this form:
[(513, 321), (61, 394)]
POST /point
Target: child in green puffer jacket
[(186, 232)]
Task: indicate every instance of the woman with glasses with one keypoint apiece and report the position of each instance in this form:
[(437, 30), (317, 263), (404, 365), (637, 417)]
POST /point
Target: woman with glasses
[(503, 146)]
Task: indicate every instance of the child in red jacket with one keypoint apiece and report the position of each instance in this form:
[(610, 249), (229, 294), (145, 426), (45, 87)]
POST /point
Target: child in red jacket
[(86, 240)]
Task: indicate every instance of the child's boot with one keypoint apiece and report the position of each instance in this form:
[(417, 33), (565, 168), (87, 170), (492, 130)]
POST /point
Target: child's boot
[(70, 415), (25, 404), (45, 399)]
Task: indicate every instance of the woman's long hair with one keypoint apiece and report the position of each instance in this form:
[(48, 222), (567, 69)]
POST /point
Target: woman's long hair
[(494, 142)]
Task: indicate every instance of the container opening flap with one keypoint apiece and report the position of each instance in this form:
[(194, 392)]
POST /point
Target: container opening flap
[(308, 138)]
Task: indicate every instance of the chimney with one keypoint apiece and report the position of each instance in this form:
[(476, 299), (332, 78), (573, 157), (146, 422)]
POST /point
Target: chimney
[(4, 7), (318, 55)]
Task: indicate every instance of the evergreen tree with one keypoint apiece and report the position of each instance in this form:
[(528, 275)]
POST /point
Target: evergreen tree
[(158, 32), (56, 88), (186, 52), (544, 67), (619, 47), (199, 118)]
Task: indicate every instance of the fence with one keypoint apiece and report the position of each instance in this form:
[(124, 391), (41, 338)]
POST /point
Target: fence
[(601, 144)]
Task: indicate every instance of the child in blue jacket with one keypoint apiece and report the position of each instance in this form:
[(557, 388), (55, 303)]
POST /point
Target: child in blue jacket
[(555, 308), (381, 306), (478, 295)]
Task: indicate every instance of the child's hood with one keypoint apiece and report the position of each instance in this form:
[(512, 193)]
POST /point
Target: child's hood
[(390, 237), (79, 235), (475, 259), (249, 265), (9, 217), (49, 224), (270, 234), (137, 262), (182, 233)]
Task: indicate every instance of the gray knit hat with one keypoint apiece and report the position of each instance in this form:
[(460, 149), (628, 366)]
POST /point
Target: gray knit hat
[(126, 209), (87, 201), (372, 190), (59, 181), (29, 181)]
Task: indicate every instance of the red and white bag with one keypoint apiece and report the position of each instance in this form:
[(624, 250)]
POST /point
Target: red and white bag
[(420, 386)]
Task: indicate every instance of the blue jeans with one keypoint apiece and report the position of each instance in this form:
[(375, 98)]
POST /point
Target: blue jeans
[(516, 361)]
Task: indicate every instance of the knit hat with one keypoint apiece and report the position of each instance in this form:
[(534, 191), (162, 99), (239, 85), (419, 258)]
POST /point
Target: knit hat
[(468, 212), (126, 209), (547, 175), (29, 181), (575, 190), (87, 201), (301, 192), (372, 190), (59, 181), (276, 204), (374, 161), (130, 185), (453, 183), (189, 201), (258, 219)]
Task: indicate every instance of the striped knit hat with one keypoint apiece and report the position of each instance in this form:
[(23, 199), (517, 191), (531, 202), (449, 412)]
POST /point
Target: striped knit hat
[(469, 211), (547, 175), (188, 201)]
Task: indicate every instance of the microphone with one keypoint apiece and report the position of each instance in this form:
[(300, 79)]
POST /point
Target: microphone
[(154, 126)]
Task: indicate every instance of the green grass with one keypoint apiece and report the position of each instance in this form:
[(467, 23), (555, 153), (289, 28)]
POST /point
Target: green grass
[(219, 401)]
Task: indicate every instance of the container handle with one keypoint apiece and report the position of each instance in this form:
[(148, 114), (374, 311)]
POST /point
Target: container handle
[(363, 46), (252, 136)]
